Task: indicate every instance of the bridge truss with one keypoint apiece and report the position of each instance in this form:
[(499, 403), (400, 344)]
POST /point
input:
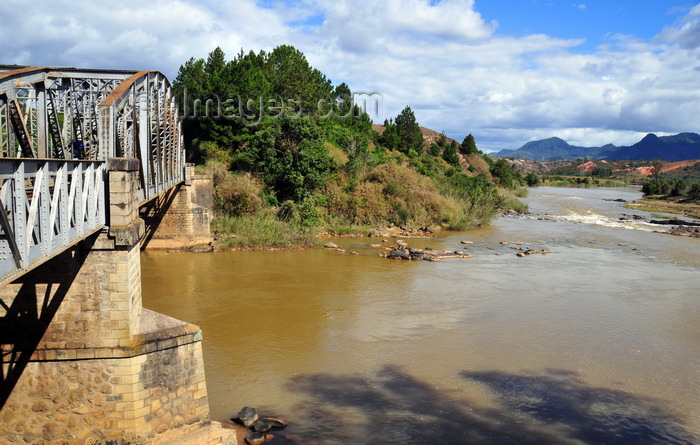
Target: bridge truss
[(58, 127)]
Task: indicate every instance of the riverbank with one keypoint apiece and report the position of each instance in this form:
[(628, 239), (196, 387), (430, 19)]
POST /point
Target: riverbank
[(581, 181), (266, 233), (673, 205)]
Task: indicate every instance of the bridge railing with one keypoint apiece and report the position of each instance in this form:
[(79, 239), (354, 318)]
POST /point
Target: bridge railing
[(47, 206)]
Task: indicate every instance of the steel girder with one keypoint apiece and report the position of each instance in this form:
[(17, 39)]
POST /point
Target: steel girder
[(54, 120), (140, 120)]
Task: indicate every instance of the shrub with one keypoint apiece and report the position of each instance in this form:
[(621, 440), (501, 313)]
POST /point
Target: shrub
[(694, 192), (657, 186), (532, 179), (239, 194), (212, 152), (398, 194)]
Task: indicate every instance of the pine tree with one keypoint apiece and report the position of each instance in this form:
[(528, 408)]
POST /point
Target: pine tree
[(468, 146), (408, 132)]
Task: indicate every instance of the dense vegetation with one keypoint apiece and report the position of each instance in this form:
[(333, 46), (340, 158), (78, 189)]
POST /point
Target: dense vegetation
[(291, 156), (667, 186)]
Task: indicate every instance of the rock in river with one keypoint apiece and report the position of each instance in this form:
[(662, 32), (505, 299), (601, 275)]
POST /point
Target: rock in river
[(258, 438), (398, 255), (276, 422), (261, 426), (247, 416)]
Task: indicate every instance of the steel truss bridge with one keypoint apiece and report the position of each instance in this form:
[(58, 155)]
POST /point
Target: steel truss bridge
[(58, 127)]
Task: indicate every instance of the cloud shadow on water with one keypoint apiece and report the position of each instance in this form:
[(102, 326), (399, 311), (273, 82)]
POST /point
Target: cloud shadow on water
[(393, 407)]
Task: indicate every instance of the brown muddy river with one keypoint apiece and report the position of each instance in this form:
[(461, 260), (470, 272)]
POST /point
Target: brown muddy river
[(597, 342)]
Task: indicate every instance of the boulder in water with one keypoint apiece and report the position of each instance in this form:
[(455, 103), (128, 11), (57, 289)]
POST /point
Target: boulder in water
[(261, 426), (257, 438), (246, 417), (398, 255), (276, 422)]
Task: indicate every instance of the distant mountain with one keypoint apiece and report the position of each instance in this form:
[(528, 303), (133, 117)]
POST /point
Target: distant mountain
[(681, 147), (555, 149)]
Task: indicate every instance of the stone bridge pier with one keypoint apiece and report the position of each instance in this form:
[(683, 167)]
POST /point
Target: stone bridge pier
[(83, 362)]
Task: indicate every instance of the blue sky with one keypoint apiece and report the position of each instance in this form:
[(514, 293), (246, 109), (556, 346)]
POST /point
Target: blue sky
[(590, 72), (595, 21)]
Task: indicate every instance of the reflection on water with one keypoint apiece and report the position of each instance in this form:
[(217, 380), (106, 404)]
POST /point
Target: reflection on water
[(361, 349)]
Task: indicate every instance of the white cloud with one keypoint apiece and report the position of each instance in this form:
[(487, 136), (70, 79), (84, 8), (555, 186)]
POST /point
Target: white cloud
[(685, 34), (442, 58), (361, 26)]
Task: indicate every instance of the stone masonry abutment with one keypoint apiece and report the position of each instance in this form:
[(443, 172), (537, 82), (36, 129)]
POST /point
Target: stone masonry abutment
[(83, 362)]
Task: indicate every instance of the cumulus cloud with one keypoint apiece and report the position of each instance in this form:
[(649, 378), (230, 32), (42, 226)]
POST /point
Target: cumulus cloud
[(455, 70), (686, 34), (360, 26), (132, 34)]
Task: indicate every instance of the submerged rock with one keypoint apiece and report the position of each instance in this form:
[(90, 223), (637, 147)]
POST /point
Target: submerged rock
[(403, 252), (331, 245), (532, 252), (261, 426), (276, 422), (257, 438)]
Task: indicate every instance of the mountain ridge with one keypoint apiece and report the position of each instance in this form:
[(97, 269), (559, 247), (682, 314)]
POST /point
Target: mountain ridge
[(678, 147)]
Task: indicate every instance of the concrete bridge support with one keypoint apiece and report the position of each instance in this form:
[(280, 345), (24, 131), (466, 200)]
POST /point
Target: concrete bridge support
[(83, 362), (182, 216)]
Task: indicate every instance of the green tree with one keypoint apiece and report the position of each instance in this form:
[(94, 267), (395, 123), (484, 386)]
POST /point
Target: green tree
[(694, 192), (293, 78), (342, 101), (408, 132), (532, 179), (656, 186), (389, 139), (503, 172), (679, 187), (449, 154), (468, 146), (290, 157)]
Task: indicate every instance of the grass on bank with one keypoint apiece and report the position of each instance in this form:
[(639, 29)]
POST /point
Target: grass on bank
[(510, 201), (262, 230), (667, 205)]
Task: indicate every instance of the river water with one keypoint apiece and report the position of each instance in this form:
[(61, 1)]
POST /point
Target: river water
[(596, 342)]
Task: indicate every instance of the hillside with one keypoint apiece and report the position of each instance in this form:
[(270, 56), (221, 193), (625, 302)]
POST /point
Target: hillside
[(477, 163), (283, 178), (680, 147)]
